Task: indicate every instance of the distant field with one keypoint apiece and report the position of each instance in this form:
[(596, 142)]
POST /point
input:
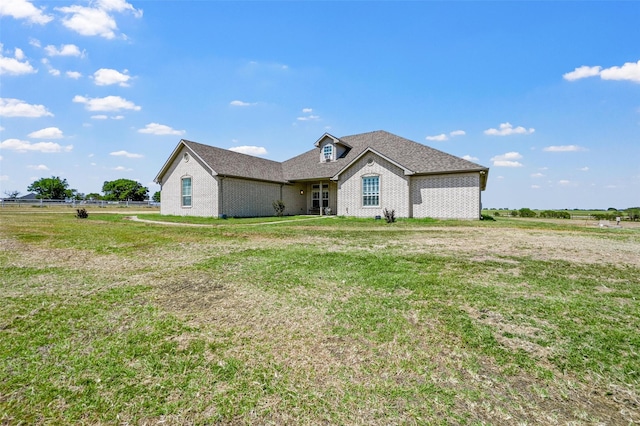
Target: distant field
[(322, 321)]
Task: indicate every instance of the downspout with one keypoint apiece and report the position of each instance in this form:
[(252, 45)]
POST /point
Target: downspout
[(221, 198)]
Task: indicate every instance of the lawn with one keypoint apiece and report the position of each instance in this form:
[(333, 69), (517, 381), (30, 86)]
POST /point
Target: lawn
[(323, 321)]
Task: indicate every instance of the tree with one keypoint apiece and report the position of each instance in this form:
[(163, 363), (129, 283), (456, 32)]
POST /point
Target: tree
[(12, 194), (52, 188), (93, 196), (124, 190), (634, 213), (156, 196)]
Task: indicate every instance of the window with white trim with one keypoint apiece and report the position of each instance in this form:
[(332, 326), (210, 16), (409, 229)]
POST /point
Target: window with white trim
[(186, 192), (327, 152), (371, 191)]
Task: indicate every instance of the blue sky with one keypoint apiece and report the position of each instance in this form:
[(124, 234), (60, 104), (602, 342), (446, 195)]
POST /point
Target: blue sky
[(546, 94)]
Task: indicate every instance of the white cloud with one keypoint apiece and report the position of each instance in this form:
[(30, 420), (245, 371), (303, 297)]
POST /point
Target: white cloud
[(307, 110), (122, 169), (564, 182), (34, 42), (4, 177), (535, 186), (10, 107), (438, 138), (117, 117), (23, 9), (54, 72), (584, 169), (100, 117), (74, 74), (47, 133), (582, 72), (126, 154), (537, 175), (51, 69), (38, 167), (108, 103), (563, 148), (470, 158), (160, 129), (250, 150), (457, 133), (64, 50), (25, 146), (241, 103), (310, 116), (507, 129), (96, 21), (15, 65), (107, 76), (507, 160), (630, 71)]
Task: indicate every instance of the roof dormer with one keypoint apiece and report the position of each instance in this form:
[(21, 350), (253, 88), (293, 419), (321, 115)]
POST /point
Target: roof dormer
[(331, 148)]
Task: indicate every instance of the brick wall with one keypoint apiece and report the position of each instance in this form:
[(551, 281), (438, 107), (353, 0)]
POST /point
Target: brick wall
[(204, 200), (394, 188), (248, 198), (452, 196)]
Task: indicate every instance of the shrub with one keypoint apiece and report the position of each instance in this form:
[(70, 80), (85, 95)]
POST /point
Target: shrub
[(279, 207), (389, 216), (496, 214), (487, 217), (82, 213), (525, 212)]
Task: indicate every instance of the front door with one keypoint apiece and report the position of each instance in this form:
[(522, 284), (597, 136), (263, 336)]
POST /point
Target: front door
[(316, 195)]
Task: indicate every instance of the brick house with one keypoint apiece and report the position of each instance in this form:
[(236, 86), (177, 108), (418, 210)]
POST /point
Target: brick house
[(358, 175)]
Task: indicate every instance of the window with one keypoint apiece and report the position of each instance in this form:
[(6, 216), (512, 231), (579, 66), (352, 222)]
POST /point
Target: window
[(371, 191), (315, 196), (186, 192), (327, 152)]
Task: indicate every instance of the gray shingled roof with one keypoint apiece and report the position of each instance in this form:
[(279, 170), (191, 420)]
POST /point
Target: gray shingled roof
[(418, 158), (230, 163)]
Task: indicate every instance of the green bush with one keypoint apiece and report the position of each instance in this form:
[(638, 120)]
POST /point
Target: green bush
[(525, 212), (82, 213), (278, 206)]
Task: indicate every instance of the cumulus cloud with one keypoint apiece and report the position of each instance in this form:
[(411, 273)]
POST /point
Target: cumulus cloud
[(307, 110), (437, 138), (630, 71), (64, 50), (122, 169), (535, 186), (23, 9), (107, 76), (100, 117), (160, 129), (250, 150), (26, 146), (242, 103), (47, 133), (74, 74), (582, 72), (507, 129), (10, 107), (444, 137), (309, 115), (15, 65), (507, 160), (125, 154), (563, 148), (96, 20), (537, 175), (564, 182), (51, 69), (584, 169), (108, 103), (470, 158), (38, 167)]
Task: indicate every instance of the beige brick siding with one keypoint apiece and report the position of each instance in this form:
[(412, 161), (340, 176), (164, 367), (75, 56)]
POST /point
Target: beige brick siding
[(295, 203), (394, 188), (451, 196), (204, 200), (248, 198)]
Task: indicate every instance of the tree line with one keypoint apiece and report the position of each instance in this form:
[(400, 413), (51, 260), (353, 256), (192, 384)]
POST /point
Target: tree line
[(55, 188)]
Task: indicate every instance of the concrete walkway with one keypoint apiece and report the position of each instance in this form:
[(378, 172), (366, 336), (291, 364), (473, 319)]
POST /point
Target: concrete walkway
[(207, 225)]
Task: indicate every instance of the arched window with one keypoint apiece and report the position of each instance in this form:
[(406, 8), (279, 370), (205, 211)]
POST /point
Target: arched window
[(371, 191), (186, 192), (327, 152)]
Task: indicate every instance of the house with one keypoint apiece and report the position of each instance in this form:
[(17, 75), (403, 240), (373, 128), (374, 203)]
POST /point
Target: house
[(358, 175)]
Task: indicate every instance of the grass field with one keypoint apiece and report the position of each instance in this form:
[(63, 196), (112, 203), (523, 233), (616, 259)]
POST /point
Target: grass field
[(324, 321)]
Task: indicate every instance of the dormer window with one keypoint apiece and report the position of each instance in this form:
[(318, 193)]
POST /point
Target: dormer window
[(327, 152)]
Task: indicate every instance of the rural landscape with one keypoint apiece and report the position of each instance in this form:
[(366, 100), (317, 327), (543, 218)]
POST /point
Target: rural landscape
[(129, 317)]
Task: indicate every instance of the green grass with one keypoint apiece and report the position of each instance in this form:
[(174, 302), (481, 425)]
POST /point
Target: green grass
[(336, 321)]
